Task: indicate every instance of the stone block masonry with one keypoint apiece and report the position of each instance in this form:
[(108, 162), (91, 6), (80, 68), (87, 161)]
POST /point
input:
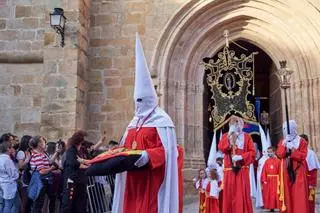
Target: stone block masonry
[(111, 58)]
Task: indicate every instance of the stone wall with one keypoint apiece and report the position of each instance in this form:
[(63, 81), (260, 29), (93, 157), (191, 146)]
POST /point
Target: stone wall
[(22, 26), (45, 86), (64, 89), (20, 98), (21, 65), (111, 73)]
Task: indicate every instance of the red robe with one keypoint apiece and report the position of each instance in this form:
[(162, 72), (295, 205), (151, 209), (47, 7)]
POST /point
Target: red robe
[(142, 186), (220, 196), (202, 194), (295, 195), (236, 188), (270, 183), (211, 203), (312, 181), (180, 176)]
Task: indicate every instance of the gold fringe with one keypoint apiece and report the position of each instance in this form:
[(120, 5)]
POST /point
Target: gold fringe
[(281, 197), (311, 194)]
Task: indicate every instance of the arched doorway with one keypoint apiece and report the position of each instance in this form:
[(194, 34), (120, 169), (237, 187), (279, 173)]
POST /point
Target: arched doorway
[(266, 92), (195, 32)]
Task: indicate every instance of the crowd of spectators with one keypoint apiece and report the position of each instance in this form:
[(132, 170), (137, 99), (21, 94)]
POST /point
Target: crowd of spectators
[(37, 176)]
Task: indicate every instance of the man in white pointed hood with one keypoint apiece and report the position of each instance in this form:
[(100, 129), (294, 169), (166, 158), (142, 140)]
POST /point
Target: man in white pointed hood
[(153, 189), (292, 151)]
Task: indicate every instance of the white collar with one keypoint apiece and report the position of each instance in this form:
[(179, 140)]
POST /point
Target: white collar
[(203, 183), (240, 141), (214, 189), (295, 143)]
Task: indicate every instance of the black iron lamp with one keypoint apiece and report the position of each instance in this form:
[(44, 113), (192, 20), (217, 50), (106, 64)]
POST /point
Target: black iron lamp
[(57, 22)]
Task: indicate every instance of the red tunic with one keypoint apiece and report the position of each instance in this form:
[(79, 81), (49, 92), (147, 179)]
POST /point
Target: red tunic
[(221, 196), (211, 203), (270, 183), (202, 194), (236, 188), (295, 195), (180, 176), (142, 186), (312, 181)]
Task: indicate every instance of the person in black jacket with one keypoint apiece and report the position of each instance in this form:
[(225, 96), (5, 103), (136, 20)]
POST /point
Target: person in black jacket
[(74, 178)]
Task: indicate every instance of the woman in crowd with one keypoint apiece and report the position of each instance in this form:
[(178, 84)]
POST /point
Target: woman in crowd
[(8, 176), (60, 149), (74, 178), (40, 162), (51, 148), (23, 157)]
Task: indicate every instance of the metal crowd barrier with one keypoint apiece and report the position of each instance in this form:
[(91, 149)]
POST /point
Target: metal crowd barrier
[(100, 192)]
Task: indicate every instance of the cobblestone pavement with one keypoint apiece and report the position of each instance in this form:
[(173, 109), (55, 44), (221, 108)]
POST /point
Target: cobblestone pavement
[(193, 208)]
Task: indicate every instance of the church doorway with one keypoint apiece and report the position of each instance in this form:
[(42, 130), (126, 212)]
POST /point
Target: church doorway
[(266, 96)]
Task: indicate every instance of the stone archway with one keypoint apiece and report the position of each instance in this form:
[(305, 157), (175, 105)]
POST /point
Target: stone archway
[(196, 32)]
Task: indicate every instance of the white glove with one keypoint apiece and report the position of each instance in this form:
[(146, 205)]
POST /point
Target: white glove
[(236, 158), (143, 160), (288, 138)]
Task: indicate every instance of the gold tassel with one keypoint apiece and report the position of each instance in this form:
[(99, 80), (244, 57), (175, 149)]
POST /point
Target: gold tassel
[(311, 194), (278, 188), (281, 197)]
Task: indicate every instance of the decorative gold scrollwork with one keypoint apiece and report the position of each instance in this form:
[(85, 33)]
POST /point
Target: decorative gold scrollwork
[(230, 80)]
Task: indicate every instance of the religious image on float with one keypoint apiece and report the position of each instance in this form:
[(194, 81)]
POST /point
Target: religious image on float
[(230, 79)]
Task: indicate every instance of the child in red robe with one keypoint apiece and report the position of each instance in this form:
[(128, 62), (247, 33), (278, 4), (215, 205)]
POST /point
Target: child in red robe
[(212, 193), (270, 181), (201, 185)]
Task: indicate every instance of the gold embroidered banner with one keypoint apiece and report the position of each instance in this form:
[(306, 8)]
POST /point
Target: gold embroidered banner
[(231, 81)]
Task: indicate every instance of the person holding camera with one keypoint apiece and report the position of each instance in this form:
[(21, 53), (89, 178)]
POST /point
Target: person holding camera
[(23, 157), (41, 163)]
